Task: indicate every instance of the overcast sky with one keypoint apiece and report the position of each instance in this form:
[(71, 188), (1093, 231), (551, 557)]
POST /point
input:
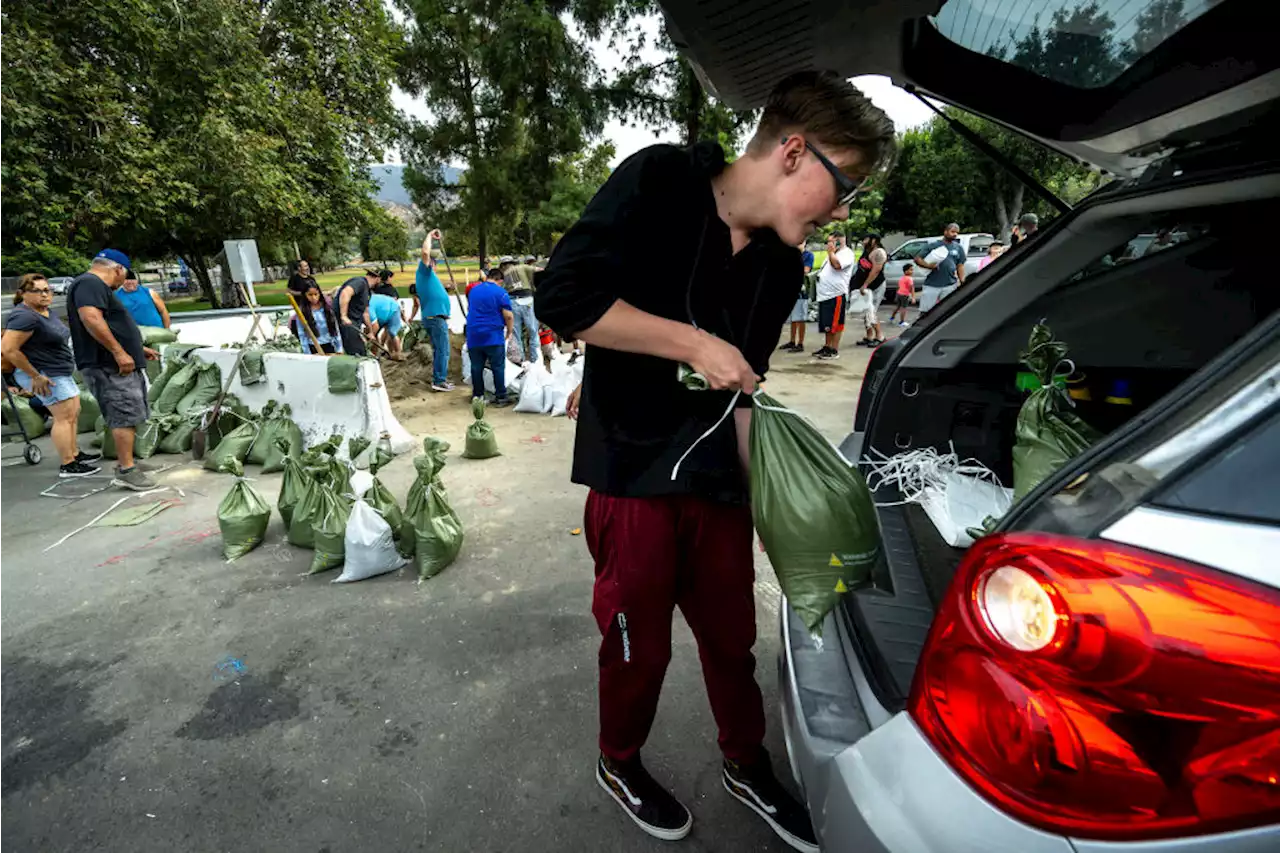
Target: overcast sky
[(903, 108)]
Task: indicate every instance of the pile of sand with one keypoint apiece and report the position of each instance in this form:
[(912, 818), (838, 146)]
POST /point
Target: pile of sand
[(412, 377)]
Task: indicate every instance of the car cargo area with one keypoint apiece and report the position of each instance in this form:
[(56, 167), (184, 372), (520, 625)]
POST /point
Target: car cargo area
[(1142, 300)]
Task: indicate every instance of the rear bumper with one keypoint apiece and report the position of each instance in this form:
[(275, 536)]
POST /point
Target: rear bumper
[(872, 782)]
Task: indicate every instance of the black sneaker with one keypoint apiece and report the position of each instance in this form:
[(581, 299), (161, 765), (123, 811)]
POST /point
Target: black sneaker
[(86, 458), (501, 402), (798, 348), (757, 788), (76, 468), (651, 806), (821, 352), (787, 347)]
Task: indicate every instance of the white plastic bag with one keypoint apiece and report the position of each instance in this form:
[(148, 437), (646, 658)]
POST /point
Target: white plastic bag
[(559, 389), (960, 502), (937, 256), (533, 390), (371, 549), (956, 494)]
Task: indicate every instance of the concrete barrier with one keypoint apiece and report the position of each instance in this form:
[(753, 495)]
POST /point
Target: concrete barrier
[(215, 331), (302, 382)]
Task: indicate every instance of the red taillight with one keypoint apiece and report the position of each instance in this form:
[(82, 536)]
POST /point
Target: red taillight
[(1101, 691)]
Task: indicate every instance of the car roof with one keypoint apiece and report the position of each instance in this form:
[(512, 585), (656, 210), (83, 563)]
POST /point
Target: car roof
[(1216, 73)]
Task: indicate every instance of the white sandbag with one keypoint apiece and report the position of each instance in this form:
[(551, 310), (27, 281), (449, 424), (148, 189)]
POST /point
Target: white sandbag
[(361, 480), (466, 366), (961, 502), (558, 391), (937, 256), (533, 391), (370, 547)]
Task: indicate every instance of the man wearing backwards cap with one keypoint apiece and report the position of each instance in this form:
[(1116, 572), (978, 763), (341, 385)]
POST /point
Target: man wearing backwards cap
[(109, 354)]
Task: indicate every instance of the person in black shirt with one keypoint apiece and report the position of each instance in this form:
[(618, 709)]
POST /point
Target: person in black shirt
[(662, 535), (300, 280), (352, 303), (110, 356), (384, 285)]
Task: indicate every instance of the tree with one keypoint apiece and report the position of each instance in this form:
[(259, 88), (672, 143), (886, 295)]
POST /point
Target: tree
[(165, 128), (659, 94), (576, 180), (509, 89), (1076, 47), (1158, 20), (384, 237), (942, 178)]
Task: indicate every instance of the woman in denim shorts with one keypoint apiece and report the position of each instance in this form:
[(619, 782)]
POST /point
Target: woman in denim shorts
[(37, 345)]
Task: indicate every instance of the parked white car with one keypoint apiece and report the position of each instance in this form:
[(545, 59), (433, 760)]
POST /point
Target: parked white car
[(975, 249), (60, 284)]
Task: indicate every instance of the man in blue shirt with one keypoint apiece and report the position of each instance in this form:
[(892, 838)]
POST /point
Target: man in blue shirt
[(946, 274), (429, 294), (489, 320)]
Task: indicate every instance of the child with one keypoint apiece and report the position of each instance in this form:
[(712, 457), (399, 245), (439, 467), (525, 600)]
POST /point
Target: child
[(906, 295)]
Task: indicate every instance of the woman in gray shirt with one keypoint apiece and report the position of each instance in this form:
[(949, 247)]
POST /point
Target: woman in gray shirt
[(37, 345)]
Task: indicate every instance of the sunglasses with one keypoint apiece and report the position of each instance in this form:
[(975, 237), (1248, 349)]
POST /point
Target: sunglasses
[(846, 188), (39, 290)]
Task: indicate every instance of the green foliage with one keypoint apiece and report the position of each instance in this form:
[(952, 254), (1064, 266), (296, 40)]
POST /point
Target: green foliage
[(660, 94), (510, 93), (46, 258), (164, 128), (384, 237), (576, 180)]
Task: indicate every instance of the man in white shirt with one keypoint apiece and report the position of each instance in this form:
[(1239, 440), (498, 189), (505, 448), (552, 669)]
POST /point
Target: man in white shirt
[(833, 294)]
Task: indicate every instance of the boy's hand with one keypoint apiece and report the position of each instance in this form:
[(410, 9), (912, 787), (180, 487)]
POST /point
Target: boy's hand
[(571, 407), (723, 365)]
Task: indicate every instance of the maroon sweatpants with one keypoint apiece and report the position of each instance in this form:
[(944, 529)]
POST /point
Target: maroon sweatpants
[(652, 554)]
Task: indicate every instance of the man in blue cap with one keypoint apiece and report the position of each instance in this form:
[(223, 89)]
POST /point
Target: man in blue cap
[(109, 354)]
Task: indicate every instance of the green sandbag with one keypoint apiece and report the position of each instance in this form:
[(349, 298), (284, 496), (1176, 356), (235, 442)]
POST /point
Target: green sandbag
[(321, 453), (292, 486), (335, 474), (437, 449), (343, 370), (481, 442), (356, 445), (814, 513), (171, 366), (384, 504), (411, 337), (329, 532), (1048, 433), (252, 369), (107, 440), (288, 443), (203, 393), (242, 517), (231, 416), (301, 532), (427, 469), (381, 456), (437, 533), (154, 336), (230, 452), (32, 423), (180, 353), (276, 422), (177, 434), (89, 411), (182, 381), (146, 439)]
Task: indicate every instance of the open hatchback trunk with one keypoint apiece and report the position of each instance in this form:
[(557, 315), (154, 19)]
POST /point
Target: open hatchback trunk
[(1151, 281)]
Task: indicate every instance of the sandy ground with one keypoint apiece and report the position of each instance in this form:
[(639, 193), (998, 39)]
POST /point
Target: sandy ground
[(156, 698)]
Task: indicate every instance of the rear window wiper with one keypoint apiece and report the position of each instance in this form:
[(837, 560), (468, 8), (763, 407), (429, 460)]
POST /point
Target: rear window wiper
[(998, 158)]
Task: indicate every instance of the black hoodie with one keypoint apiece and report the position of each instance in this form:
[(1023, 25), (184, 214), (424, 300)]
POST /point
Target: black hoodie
[(652, 237)]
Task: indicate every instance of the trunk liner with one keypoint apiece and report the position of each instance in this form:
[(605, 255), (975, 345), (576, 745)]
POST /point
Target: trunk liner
[(890, 630)]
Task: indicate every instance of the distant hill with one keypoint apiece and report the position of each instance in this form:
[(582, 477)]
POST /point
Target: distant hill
[(390, 180)]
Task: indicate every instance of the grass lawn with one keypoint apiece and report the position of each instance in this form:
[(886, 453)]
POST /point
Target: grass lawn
[(273, 293)]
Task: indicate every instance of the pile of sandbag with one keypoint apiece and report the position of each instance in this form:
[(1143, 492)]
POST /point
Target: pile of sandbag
[(547, 392), (431, 532)]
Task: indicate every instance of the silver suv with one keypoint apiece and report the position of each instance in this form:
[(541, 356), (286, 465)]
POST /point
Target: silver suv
[(975, 249), (1101, 674)]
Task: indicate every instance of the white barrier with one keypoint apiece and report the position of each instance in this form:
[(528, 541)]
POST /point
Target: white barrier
[(302, 382)]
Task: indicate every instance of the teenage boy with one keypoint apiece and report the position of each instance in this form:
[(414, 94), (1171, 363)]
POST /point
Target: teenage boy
[(662, 535), (833, 295), (906, 295)]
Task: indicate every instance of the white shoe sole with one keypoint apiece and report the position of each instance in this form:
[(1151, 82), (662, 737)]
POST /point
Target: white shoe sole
[(63, 475), (656, 832), (791, 840)]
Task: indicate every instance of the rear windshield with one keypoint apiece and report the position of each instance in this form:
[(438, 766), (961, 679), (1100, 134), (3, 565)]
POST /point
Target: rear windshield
[(1084, 44)]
